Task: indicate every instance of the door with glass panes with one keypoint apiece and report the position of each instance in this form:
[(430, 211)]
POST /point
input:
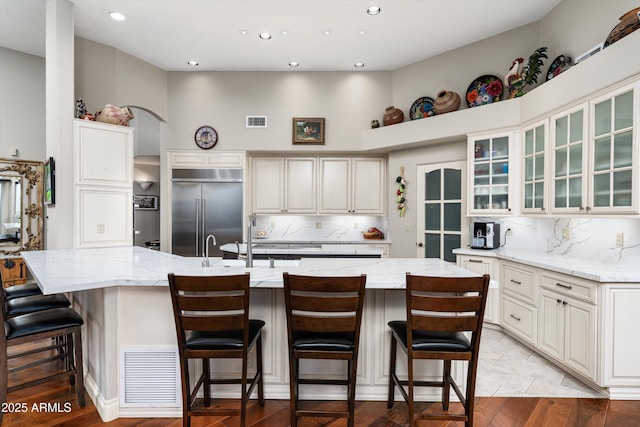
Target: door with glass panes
[(440, 209)]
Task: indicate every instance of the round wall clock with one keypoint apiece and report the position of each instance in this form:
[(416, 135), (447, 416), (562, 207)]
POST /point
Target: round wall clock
[(206, 137)]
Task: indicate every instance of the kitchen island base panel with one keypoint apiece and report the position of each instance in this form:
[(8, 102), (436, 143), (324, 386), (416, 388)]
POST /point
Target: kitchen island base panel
[(120, 318)]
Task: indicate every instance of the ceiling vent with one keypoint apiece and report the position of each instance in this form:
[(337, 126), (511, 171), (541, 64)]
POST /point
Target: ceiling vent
[(256, 121)]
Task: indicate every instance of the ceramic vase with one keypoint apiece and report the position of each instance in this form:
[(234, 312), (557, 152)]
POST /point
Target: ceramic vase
[(629, 22), (446, 101), (392, 115)]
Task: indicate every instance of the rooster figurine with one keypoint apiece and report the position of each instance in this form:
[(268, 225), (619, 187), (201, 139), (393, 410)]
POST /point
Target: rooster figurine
[(517, 79), (513, 79)]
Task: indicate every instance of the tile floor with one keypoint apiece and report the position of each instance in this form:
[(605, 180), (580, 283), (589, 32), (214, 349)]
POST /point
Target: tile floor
[(508, 368)]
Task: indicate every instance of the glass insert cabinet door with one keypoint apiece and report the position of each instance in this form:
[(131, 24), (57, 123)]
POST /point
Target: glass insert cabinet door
[(535, 145), (613, 132), (490, 183), (569, 160)]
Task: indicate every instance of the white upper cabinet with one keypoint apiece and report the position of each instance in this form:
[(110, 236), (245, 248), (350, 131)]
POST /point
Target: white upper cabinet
[(613, 173), (491, 174), (534, 149), (284, 185), (352, 185), (594, 151), (569, 154)]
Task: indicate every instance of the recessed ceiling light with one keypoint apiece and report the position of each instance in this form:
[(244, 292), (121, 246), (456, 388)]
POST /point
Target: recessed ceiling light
[(359, 65), (117, 16), (327, 32), (193, 63), (243, 32), (265, 36), (374, 10), (293, 64), (284, 32), (362, 32)]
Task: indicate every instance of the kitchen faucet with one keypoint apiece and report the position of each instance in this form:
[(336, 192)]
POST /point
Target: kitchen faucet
[(205, 253)]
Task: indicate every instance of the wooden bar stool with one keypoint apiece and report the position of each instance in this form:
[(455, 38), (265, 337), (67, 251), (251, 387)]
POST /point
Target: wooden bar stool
[(324, 315), (54, 338), (440, 310), (212, 322)]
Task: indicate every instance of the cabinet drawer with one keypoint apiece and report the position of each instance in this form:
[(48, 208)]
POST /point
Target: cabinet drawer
[(520, 282), (520, 318), (570, 286)]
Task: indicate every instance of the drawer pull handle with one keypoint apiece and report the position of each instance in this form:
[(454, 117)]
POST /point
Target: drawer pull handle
[(558, 301), (515, 281), (564, 286), (515, 317), (476, 260)]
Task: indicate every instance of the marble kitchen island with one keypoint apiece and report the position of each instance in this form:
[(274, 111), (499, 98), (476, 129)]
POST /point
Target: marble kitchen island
[(130, 353)]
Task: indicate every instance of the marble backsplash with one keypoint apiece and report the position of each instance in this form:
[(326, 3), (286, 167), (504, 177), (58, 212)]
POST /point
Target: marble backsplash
[(347, 228), (589, 238)]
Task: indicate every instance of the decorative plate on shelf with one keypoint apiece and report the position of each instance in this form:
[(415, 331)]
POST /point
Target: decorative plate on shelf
[(560, 64), (484, 90), (421, 108)]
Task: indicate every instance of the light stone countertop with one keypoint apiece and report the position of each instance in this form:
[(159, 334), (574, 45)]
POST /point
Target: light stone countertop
[(68, 270), (579, 267), (266, 247)]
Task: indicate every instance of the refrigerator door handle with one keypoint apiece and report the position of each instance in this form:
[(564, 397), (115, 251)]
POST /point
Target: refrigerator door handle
[(204, 223), (197, 235)]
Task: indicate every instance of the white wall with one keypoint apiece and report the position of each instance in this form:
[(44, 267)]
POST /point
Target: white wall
[(347, 100), (22, 105)]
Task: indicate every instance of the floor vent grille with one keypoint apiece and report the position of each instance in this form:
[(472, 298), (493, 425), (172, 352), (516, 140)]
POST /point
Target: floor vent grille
[(150, 377), (256, 121)]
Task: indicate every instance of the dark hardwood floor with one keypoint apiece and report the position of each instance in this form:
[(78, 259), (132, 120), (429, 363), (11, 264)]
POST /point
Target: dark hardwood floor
[(61, 409)]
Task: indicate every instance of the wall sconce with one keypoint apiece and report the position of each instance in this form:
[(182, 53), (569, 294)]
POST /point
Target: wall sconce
[(144, 184)]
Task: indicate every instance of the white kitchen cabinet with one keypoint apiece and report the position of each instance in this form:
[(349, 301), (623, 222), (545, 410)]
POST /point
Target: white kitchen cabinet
[(284, 185), (490, 266), (492, 176), (519, 297), (352, 185), (594, 151), (534, 149), (568, 324), (103, 181)]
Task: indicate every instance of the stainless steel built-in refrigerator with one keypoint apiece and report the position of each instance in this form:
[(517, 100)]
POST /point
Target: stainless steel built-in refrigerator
[(205, 201)]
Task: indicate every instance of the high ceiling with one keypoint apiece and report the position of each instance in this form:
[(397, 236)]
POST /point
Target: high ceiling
[(168, 33)]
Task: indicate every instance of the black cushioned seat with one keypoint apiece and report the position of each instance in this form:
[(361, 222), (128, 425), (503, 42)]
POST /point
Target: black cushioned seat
[(430, 340), (34, 303), (323, 341), (42, 321), (224, 340), (20, 291)]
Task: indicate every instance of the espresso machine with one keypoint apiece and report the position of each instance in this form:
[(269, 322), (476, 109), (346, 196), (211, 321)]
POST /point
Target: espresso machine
[(484, 235)]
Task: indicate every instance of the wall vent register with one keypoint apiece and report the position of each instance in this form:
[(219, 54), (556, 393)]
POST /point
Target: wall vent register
[(256, 122)]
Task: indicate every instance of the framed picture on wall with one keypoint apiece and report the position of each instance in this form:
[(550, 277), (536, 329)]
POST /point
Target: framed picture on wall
[(145, 203), (50, 182), (308, 131)]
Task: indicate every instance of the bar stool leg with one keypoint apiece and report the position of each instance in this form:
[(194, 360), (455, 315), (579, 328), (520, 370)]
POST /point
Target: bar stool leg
[(205, 381), (259, 370), (79, 365), (392, 372), (293, 391), (446, 384)]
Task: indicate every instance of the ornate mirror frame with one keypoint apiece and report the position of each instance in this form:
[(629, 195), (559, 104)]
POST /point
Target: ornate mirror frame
[(32, 208)]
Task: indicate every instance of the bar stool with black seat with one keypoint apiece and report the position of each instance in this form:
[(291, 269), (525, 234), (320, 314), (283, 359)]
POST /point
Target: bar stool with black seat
[(324, 315), (28, 301), (440, 311), (34, 340), (212, 322)]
